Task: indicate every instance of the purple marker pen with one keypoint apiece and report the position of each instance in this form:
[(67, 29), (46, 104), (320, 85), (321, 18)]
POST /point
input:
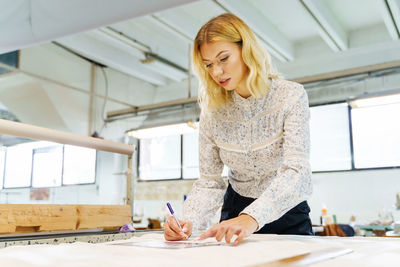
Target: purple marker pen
[(173, 214)]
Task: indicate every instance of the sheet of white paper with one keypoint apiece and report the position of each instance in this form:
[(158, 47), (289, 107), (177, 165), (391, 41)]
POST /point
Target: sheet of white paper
[(170, 244)]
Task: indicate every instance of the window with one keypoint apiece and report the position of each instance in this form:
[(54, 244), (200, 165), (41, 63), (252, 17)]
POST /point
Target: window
[(160, 158), (376, 131), (190, 155), (2, 164), (10, 59), (47, 166), (18, 166), (330, 138), (79, 165)]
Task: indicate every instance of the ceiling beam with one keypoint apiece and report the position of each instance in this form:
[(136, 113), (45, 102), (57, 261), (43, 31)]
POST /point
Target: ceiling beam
[(277, 44), (170, 27), (347, 72), (120, 41), (163, 43), (142, 54), (152, 61), (352, 58), (91, 46), (395, 10), (390, 11), (328, 27), (181, 21)]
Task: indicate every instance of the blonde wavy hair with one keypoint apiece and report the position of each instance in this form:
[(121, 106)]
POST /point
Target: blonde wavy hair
[(230, 28)]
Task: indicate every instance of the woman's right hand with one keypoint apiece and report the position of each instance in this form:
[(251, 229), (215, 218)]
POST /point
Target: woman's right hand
[(172, 232)]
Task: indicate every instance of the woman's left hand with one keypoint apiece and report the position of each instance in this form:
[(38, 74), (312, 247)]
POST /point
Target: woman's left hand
[(242, 226)]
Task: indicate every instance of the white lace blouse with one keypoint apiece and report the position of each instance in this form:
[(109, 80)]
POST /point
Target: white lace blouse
[(265, 144)]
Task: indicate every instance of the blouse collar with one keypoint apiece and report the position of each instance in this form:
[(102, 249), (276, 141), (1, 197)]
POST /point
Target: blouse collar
[(241, 101)]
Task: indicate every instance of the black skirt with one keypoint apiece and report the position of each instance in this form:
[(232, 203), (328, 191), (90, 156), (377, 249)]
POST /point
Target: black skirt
[(294, 222)]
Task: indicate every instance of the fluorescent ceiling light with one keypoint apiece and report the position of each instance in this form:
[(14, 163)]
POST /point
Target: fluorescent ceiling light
[(376, 101), (167, 130)]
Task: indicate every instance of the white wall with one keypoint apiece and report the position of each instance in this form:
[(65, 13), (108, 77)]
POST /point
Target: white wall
[(360, 193)]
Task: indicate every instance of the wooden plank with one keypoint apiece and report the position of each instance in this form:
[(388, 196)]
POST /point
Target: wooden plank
[(23, 218), (59, 223), (102, 221), (103, 216), (46, 223), (90, 210), (6, 225), (38, 210)]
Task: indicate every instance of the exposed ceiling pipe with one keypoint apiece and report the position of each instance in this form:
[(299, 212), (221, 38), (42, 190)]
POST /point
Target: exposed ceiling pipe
[(112, 115), (179, 113)]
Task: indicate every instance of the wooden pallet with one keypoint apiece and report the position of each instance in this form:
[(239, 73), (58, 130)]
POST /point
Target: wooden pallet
[(24, 218)]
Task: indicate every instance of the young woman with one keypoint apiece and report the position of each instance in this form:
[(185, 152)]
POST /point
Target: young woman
[(258, 126)]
